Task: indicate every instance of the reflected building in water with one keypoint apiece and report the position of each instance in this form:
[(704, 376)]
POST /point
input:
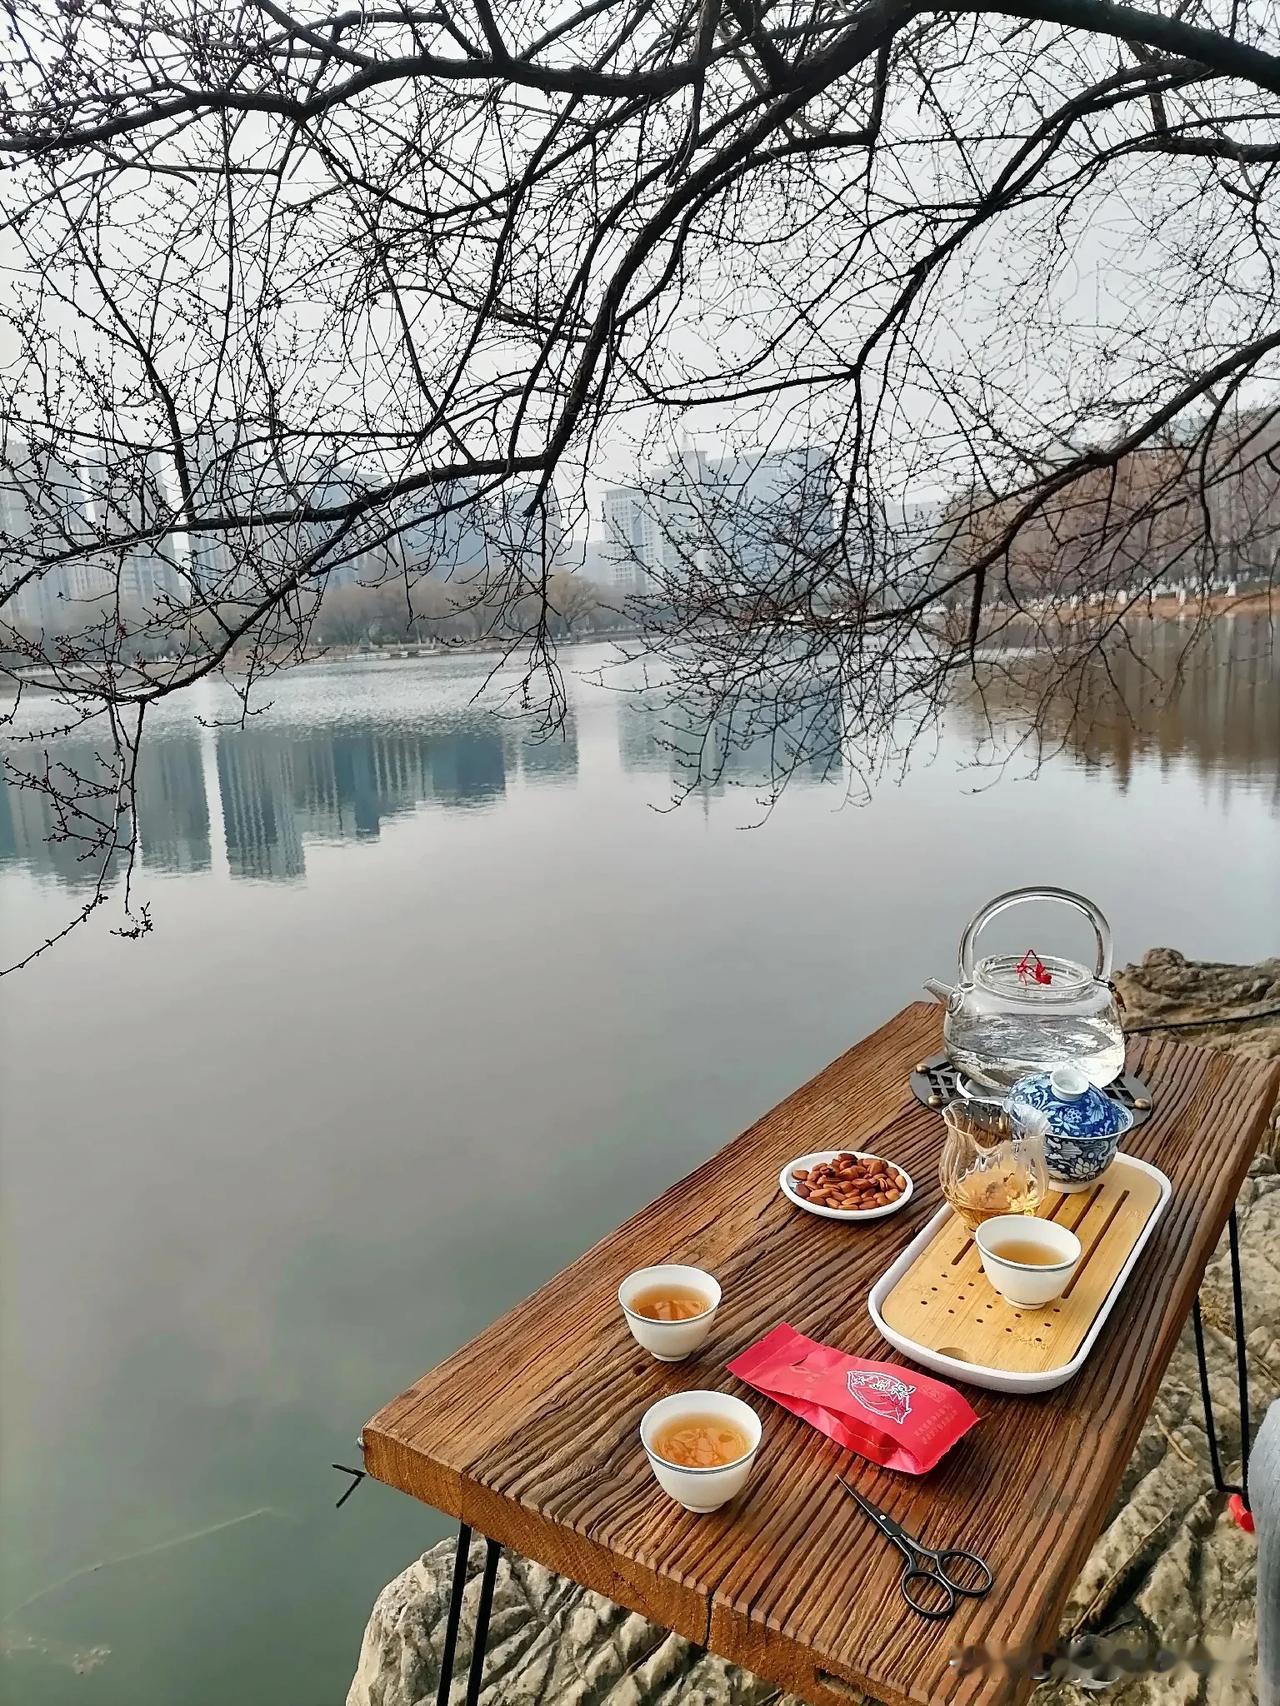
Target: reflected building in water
[(278, 786), (282, 787), (550, 758), (173, 813), (754, 745), (255, 782), (258, 795), (1214, 704), (644, 740), (344, 785), (469, 768), (58, 840), (173, 810)]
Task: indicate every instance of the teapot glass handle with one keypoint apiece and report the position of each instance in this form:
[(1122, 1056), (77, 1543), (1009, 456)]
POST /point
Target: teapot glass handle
[(1101, 929)]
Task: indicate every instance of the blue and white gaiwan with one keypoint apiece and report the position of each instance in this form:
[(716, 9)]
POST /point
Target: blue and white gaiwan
[(1084, 1126)]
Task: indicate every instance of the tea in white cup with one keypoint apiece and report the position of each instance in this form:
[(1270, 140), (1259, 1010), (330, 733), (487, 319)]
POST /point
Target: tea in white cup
[(1028, 1261), (670, 1309), (701, 1446)]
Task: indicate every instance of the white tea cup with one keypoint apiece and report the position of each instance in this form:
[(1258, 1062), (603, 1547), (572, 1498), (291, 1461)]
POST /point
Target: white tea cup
[(669, 1341), (701, 1490), (1028, 1284)]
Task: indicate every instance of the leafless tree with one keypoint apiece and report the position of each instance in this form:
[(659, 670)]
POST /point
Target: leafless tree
[(375, 293)]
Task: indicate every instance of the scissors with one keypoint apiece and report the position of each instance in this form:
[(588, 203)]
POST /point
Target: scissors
[(932, 1581)]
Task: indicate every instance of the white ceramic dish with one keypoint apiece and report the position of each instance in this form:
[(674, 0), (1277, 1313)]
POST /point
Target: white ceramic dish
[(789, 1191), (999, 1379), (701, 1490), (670, 1341)]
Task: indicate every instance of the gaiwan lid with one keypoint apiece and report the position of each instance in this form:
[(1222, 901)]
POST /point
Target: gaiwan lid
[(1072, 1105)]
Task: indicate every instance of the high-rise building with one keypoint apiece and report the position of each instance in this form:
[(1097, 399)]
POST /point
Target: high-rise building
[(235, 475), (129, 497), (909, 560), (743, 520), (460, 532), (633, 556), (45, 526)]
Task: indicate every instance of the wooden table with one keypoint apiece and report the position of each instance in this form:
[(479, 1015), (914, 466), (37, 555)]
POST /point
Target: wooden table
[(529, 1433)]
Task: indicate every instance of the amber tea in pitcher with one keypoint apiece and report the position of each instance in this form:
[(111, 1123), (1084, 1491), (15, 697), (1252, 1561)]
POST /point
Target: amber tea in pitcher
[(992, 1161)]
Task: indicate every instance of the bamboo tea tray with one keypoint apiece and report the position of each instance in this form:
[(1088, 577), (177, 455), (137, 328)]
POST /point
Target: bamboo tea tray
[(937, 1306)]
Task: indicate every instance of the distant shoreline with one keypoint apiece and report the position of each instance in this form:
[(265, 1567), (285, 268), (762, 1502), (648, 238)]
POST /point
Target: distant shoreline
[(1257, 603), (1166, 607), (400, 649)]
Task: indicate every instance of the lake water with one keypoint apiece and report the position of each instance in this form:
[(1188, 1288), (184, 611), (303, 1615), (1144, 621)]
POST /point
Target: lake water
[(428, 1009)]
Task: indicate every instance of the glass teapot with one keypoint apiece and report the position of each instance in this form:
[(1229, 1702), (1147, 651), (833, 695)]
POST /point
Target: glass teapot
[(1009, 1016)]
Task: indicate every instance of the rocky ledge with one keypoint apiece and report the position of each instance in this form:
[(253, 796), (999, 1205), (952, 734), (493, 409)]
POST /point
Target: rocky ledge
[(1171, 1566)]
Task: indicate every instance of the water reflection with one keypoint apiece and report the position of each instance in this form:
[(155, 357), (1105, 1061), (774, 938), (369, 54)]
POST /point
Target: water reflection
[(222, 1254), (342, 754), (281, 784), (66, 840), (1216, 707), (1219, 710), (554, 758), (174, 816), (283, 787), (256, 787), (745, 747)]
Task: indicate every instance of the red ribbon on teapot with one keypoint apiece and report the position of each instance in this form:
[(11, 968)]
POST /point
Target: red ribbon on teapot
[(1032, 969)]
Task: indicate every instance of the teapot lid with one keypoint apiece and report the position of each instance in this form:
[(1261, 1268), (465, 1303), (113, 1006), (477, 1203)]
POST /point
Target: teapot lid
[(1073, 1106), (1068, 1083)]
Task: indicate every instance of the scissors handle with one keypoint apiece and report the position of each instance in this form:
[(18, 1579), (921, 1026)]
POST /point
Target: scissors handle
[(927, 1591), (932, 1579), (964, 1572)]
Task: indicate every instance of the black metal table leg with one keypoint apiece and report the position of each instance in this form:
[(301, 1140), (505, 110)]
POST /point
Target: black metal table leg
[(455, 1613), (476, 1674), (1242, 1354), (1240, 1492), (1206, 1398), (484, 1605)]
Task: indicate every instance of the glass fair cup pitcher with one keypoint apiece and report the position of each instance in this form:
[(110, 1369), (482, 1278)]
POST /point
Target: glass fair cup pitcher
[(993, 1160), (1009, 1016)]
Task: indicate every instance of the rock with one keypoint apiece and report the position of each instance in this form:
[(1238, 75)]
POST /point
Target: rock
[(1204, 1002), (549, 1640), (1171, 1568), (1210, 1004)]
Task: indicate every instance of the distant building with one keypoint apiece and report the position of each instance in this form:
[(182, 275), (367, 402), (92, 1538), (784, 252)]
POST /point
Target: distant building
[(246, 480), (134, 496), (45, 516), (462, 531), (632, 553), (776, 512), (598, 562), (745, 521), (911, 558)]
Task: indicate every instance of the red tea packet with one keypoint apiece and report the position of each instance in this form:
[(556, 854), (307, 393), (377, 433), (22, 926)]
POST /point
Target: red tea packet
[(897, 1417)]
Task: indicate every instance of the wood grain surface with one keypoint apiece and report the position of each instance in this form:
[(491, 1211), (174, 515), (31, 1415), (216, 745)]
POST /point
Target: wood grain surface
[(945, 1302), (530, 1432)]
